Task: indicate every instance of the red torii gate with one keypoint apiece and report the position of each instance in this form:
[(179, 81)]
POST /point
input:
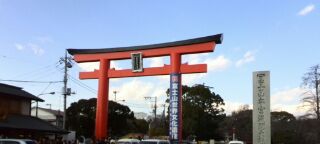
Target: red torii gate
[(175, 69)]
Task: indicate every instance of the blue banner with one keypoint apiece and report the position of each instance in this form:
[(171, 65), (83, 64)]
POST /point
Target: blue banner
[(174, 106)]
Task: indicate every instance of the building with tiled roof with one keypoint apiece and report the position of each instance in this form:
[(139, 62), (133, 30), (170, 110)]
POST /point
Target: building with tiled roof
[(15, 118), (54, 117)]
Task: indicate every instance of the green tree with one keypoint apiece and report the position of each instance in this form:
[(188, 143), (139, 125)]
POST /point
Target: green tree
[(239, 122), (307, 131), (282, 116), (283, 128), (140, 126), (159, 127), (201, 112), (81, 118)]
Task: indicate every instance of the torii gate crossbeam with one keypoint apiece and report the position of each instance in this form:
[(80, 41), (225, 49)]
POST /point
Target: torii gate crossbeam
[(173, 49)]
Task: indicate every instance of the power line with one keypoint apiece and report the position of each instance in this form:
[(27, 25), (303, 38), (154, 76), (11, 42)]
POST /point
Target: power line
[(30, 62), (84, 86), (79, 83), (45, 88), (155, 105), (26, 81), (33, 72), (47, 74)]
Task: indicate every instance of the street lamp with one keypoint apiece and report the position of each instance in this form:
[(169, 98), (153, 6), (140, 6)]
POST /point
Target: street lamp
[(37, 106), (115, 95)]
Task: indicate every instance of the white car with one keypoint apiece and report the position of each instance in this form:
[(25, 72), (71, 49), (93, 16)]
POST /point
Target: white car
[(236, 142), (128, 141), (16, 141), (155, 141)]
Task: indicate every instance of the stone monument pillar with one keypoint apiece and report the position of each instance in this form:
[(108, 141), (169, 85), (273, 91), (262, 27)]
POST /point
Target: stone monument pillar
[(261, 108)]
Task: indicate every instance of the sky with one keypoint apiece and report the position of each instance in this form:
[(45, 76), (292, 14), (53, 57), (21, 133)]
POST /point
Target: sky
[(278, 36)]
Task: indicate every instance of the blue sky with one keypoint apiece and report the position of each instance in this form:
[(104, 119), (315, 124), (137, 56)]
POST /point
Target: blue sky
[(279, 36)]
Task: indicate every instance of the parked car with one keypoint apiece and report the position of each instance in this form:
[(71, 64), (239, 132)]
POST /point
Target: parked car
[(155, 141), (17, 141), (236, 142), (128, 141)]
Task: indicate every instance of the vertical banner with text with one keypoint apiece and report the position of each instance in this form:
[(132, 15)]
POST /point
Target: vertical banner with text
[(175, 82), (261, 108)]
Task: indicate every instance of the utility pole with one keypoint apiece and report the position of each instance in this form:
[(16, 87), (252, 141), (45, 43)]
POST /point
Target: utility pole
[(155, 106), (65, 82), (66, 91)]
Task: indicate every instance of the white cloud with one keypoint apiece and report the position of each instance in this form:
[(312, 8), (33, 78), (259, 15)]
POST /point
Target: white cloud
[(36, 45), (19, 46), (37, 50), (157, 62), (190, 79), (248, 57), (287, 96), (214, 64), (231, 106), (289, 100), (217, 64), (91, 66), (306, 10), (284, 100), (194, 58), (134, 90), (295, 109)]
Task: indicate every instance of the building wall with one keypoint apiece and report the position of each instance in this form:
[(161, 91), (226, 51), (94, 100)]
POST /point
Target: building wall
[(14, 106), (49, 117), (42, 114), (25, 107)]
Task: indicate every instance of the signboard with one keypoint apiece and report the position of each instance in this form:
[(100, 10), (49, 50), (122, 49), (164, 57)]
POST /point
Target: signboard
[(137, 63), (174, 106), (261, 107)]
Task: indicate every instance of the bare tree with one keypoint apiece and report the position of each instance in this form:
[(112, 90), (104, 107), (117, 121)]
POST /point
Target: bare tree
[(311, 80)]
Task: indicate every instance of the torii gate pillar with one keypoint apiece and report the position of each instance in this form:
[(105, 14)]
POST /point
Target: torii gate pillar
[(103, 100), (173, 49)]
